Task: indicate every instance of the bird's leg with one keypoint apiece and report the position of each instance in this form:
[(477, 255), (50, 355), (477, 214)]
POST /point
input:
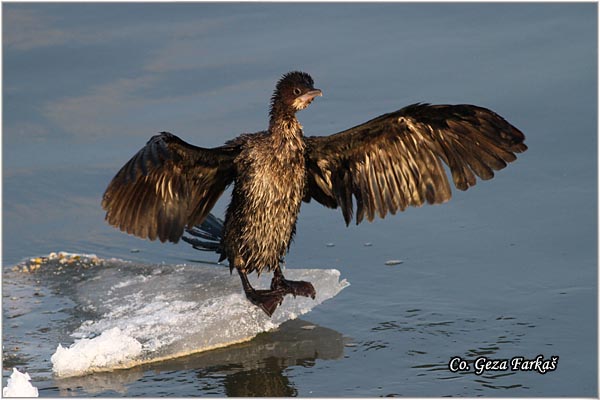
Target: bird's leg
[(267, 300), (295, 288)]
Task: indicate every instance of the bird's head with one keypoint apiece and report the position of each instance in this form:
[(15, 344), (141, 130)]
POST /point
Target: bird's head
[(294, 92)]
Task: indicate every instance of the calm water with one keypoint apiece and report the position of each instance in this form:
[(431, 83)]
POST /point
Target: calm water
[(507, 269)]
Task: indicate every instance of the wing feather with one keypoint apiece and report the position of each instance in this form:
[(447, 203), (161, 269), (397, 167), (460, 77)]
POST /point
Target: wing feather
[(166, 186), (396, 160)]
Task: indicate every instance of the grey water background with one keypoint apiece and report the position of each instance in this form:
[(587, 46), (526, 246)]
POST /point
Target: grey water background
[(507, 268)]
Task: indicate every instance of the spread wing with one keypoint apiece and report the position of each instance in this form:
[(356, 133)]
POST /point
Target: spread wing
[(167, 185), (395, 160)]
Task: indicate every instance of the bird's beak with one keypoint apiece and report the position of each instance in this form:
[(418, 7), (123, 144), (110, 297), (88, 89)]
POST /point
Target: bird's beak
[(308, 96)]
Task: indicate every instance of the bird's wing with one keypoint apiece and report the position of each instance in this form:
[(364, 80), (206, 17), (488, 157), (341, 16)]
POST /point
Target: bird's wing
[(167, 185), (395, 160)]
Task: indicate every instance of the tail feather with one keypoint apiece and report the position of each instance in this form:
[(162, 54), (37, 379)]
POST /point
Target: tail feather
[(212, 225), (196, 231), (207, 236)]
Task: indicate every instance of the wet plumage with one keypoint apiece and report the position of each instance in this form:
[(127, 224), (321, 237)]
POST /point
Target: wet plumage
[(384, 165)]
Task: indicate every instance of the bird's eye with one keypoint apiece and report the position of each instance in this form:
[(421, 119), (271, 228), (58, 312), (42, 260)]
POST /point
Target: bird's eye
[(297, 91)]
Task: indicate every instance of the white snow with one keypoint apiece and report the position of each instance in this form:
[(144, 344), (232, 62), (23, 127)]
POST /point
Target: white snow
[(111, 348), (148, 313), (18, 385)]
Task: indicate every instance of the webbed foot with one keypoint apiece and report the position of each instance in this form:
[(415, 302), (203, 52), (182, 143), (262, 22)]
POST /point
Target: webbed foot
[(267, 300), (295, 288)]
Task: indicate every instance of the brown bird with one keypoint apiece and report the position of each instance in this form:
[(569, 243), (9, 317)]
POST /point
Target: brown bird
[(384, 165)]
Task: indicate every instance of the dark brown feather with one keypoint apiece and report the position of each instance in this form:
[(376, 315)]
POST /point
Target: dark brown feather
[(395, 160), (166, 186)]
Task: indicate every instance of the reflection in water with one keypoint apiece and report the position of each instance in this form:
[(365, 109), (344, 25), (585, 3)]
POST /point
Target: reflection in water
[(254, 368), (99, 383)]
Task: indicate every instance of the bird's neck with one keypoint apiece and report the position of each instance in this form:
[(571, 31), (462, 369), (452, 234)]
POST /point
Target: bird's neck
[(286, 131), (285, 124)]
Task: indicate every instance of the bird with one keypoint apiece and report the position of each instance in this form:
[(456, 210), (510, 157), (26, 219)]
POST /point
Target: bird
[(391, 162)]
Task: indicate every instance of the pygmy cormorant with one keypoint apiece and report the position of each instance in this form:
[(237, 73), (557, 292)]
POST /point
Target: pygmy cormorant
[(385, 164)]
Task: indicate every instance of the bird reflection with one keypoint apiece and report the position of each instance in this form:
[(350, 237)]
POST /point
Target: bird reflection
[(255, 368), (267, 381)]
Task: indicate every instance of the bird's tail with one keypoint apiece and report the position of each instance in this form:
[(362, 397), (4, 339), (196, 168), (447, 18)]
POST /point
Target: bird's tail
[(207, 236)]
